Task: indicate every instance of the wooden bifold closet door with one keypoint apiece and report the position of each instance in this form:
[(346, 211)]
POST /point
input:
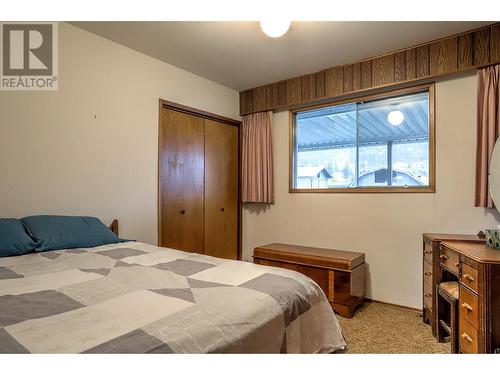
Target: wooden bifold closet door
[(221, 189), (198, 198)]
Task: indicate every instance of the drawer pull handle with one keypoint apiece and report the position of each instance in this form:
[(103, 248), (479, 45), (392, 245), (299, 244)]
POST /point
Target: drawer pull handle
[(443, 257), (467, 307), (467, 337), (468, 277), (428, 274), (428, 295), (457, 264), (427, 252)]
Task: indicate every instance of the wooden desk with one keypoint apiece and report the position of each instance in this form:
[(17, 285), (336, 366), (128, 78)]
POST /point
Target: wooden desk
[(477, 268), (431, 272), (341, 274)]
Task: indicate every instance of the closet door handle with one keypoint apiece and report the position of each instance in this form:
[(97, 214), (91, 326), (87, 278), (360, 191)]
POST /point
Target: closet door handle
[(183, 212), (222, 209)]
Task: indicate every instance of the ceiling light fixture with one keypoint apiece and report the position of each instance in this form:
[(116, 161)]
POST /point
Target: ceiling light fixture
[(275, 27), (395, 118)]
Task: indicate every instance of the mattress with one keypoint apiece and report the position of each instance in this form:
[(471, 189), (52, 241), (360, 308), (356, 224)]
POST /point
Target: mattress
[(138, 298)]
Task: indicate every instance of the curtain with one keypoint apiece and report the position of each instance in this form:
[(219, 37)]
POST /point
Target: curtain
[(488, 129), (257, 158)]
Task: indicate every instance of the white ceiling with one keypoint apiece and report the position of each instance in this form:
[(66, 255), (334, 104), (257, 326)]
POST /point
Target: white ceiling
[(240, 56)]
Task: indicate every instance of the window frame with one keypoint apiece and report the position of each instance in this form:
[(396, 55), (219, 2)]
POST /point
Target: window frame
[(431, 188)]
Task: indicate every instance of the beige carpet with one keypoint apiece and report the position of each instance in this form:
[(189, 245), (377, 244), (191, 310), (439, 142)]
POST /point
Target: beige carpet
[(381, 328)]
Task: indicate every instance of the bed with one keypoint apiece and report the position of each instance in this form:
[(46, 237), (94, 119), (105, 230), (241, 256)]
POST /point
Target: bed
[(134, 297)]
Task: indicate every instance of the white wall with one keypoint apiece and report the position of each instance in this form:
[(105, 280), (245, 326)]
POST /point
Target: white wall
[(55, 157), (387, 227)]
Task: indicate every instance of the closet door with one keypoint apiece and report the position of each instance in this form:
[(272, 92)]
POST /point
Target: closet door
[(181, 181), (221, 190)]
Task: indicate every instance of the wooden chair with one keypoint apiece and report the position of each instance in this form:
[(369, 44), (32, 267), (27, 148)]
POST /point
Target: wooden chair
[(447, 313)]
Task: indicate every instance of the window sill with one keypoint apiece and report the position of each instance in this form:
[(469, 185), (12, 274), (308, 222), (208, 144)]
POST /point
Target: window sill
[(426, 189)]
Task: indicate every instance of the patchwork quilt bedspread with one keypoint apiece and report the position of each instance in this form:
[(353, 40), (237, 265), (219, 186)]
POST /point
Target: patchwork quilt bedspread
[(137, 298)]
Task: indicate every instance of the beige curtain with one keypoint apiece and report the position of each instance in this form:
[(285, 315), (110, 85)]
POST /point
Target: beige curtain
[(488, 129), (257, 158)]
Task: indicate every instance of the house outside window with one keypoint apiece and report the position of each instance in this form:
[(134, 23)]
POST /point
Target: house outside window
[(378, 143)]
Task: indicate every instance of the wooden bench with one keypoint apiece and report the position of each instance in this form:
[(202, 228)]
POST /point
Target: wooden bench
[(341, 274)]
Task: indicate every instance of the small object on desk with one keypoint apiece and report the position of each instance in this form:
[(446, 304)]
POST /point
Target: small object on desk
[(341, 274), (493, 238)]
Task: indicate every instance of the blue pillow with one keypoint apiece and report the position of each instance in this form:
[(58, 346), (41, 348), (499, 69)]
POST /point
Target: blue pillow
[(52, 232), (13, 238)]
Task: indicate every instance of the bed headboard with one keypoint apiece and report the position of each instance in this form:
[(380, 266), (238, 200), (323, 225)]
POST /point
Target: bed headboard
[(114, 226)]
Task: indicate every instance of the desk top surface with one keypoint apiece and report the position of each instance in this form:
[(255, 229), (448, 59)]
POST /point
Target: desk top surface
[(476, 251), (453, 237)]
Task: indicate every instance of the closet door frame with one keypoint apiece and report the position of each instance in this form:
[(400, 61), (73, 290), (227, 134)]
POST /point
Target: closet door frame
[(165, 104)]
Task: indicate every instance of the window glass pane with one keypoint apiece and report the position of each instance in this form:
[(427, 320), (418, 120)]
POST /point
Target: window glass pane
[(380, 143), (387, 130), (373, 166), (325, 142), (410, 164)]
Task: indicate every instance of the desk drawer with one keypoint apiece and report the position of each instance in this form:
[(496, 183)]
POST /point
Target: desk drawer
[(428, 289), (449, 259), (468, 337), (469, 276), (468, 306), (428, 251)]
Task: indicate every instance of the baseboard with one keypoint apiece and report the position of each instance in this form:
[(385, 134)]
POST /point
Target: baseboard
[(395, 305)]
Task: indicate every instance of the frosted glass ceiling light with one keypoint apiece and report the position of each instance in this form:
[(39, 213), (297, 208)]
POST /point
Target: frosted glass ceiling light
[(275, 27), (395, 118)]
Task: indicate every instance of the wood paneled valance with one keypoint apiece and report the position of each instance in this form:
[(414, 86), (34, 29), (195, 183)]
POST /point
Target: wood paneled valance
[(473, 49)]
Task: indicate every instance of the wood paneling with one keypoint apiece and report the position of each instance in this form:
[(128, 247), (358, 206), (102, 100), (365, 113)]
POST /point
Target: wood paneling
[(320, 84), (400, 66), (383, 70), (282, 98), (181, 181), (308, 87), (411, 72), (473, 49), (334, 81), (221, 190), (246, 98), (272, 95), (366, 74), (495, 43), (465, 54), (348, 79), (293, 90), (481, 46), (356, 76), (259, 99), (422, 61), (443, 56)]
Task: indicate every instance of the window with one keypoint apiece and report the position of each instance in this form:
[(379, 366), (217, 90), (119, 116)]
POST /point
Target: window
[(374, 144)]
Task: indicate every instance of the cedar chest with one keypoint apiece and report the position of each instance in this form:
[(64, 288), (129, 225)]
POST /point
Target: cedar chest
[(341, 274)]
